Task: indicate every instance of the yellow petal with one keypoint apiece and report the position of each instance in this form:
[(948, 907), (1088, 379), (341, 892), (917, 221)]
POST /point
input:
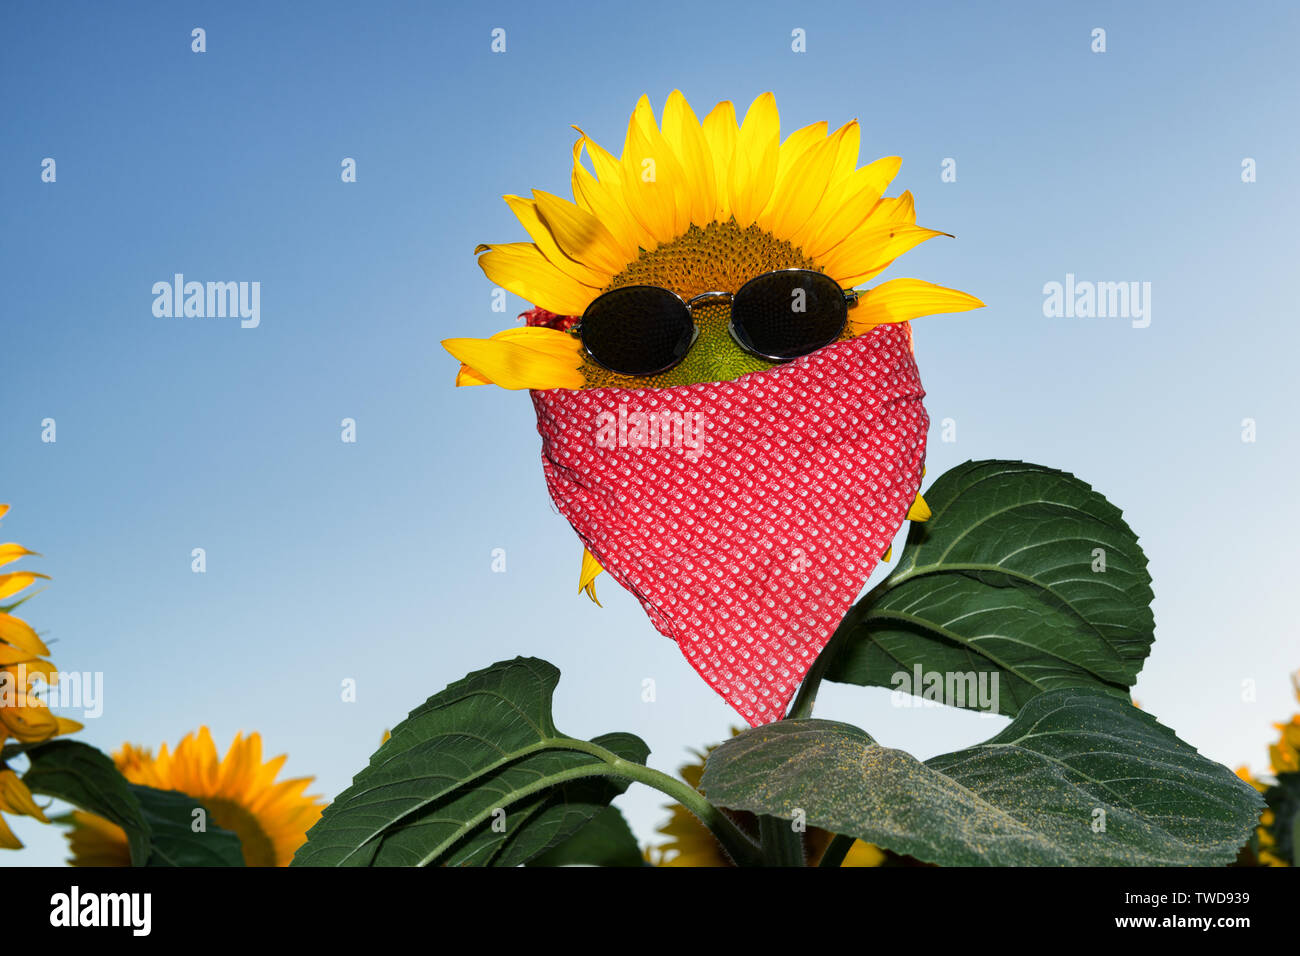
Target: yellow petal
[(15, 581), (581, 235), (839, 188), (846, 159), (608, 168), (13, 655), (795, 147), (901, 300), (800, 189), (895, 209), (12, 552), (526, 212), (19, 633), (16, 798), (654, 185), (34, 667), (919, 511), (521, 268), (28, 719), (552, 342), (863, 854), (467, 376), (7, 839), (888, 551), (66, 726), (604, 200), (721, 131), (587, 575), (850, 210), (4, 510), (753, 171), (870, 251), (682, 131), (525, 358)]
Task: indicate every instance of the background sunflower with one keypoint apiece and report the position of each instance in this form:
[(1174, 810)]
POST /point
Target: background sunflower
[(1275, 840), (270, 817), (24, 717)]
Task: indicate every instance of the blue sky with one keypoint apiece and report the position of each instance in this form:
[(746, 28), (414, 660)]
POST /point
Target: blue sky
[(372, 561)]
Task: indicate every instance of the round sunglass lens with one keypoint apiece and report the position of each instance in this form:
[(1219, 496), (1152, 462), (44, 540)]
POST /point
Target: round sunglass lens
[(637, 330), (783, 315)]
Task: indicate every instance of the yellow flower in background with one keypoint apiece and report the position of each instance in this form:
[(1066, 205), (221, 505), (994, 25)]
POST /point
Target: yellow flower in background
[(270, 817), (695, 207), (1284, 757), (23, 661), (689, 842), (15, 798)]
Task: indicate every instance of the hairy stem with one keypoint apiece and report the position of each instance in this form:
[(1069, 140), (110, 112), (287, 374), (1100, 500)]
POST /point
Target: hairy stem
[(782, 844), (738, 846)]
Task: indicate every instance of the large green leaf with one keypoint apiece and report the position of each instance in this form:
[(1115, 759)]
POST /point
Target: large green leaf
[(606, 840), (173, 840), (1079, 778), (87, 778), (477, 775), (1005, 579)]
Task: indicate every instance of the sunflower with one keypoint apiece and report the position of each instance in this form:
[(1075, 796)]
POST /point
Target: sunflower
[(689, 843), (23, 715), (1284, 757), (270, 817), (693, 207)]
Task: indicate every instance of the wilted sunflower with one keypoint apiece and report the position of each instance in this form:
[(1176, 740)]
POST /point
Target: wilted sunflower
[(23, 716), (732, 428), (270, 817)]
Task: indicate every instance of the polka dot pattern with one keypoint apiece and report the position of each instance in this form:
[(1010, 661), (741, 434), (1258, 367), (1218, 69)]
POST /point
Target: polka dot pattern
[(749, 550)]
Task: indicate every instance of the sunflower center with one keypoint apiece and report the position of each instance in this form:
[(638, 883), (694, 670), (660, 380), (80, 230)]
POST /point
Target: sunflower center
[(721, 257), (230, 815)]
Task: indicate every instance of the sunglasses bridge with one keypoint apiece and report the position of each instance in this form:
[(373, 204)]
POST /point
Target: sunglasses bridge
[(708, 298)]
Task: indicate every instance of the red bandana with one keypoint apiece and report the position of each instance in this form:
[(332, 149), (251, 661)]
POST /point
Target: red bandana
[(746, 516)]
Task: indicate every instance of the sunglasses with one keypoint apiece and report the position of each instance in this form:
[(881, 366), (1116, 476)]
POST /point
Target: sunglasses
[(778, 316)]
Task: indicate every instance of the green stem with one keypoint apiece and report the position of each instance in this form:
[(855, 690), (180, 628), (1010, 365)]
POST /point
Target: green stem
[(807, 696), (801, 709), (837, 850), (738, 846), (782, 845)]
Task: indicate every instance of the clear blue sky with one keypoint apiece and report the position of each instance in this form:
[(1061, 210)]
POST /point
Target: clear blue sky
[(372, 561)]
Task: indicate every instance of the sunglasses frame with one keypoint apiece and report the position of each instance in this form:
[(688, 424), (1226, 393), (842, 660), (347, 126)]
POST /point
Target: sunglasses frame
[(850, 300)]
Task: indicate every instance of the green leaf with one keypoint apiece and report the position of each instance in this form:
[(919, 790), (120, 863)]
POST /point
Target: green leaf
[(1004, 579), (173, 842), (606, 840), (1036, 794), (477, 775), (79, 774)]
